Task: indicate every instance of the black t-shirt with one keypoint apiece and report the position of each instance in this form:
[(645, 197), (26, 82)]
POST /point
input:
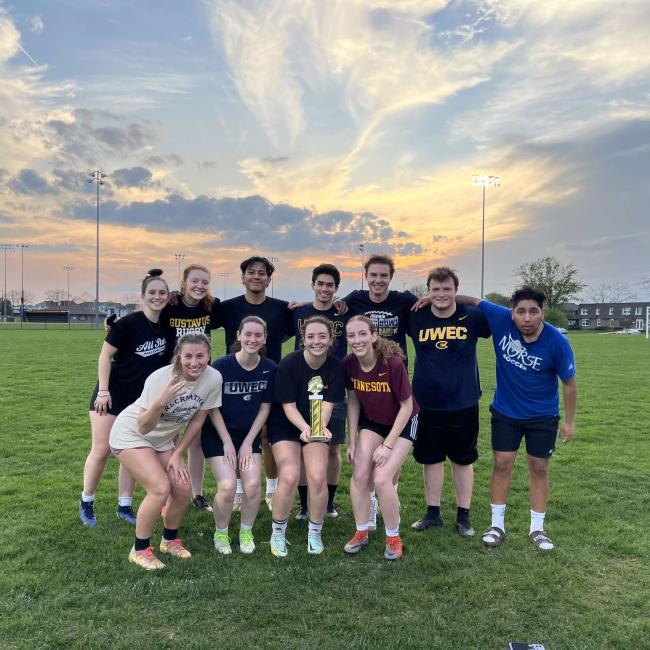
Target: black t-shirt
[(274, 312), (389, 316), (291, 379), (446, 373), (301, 314), (141, 347), (180, 319)]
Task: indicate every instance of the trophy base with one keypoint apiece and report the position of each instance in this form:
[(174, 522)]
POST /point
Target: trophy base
[(317, 439)]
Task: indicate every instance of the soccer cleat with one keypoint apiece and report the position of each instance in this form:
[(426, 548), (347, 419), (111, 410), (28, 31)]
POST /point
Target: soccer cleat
[(87, 513), (269, 500), (465, 528), (302, 514), (222, 543), (427, 521), (278, 545), (145, 559), (174, 547), (314, 544), (125, 513), (236, 504), (374, 511), (201, 503), (394, 548), (246, 543), (332, 512), (359, 540)]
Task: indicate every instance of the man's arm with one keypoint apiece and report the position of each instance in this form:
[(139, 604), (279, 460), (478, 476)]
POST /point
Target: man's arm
[(570, 394)]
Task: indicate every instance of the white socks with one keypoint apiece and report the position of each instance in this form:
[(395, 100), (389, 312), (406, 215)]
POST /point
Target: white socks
[(271, 485), (124, 501), (315, 528), (499, 516), (87, 498), (279, 527), (390, 532), (536, 521)]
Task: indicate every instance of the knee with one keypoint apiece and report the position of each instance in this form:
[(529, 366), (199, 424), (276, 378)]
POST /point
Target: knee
[(503, 465), (360, 479), (383, 481), (182, 491), (290, 476), (226, 487), (538, 469), (160, 489), (317, 481), (253, 488)]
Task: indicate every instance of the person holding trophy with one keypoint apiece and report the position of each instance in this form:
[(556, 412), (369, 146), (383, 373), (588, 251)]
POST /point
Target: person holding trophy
[(308, 383), (382, 422)]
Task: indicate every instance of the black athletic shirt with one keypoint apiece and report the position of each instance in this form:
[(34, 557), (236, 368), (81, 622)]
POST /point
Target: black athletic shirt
[(301, 314), (274, 312), (389, 316), (291, 379), (141, 347), (180, 319)]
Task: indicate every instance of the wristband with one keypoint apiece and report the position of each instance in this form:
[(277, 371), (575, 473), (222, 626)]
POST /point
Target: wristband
[(387, 447)]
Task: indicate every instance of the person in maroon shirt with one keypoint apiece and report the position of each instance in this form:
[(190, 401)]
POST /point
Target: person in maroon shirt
[(382, 421)]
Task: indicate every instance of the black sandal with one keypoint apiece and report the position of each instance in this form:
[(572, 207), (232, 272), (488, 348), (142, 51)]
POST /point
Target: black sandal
[(493, 536)]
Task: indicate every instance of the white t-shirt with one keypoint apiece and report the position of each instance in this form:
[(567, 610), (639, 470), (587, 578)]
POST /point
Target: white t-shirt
[(202, 394)]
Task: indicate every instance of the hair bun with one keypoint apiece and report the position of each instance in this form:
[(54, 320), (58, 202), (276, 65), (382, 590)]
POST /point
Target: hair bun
[(155, 272)]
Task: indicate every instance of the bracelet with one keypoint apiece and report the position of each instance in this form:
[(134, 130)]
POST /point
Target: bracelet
[(387, 447), (103, 393)]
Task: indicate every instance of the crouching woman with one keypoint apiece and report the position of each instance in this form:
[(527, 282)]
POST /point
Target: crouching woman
[(144, 437)]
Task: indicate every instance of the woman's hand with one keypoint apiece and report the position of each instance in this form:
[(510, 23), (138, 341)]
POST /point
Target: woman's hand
[(350, 453), (229, 454), (103, 402), (305, 434), (177, 469), (380, 455), (172, 390), (245, 456)]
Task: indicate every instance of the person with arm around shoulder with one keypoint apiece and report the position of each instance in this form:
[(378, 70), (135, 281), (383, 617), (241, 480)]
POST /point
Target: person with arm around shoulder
[(531, 355), (231, 439), (382, 421), (134, 347), (144, 437)]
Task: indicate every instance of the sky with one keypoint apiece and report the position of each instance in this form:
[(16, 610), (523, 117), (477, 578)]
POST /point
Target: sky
[(300, 129)]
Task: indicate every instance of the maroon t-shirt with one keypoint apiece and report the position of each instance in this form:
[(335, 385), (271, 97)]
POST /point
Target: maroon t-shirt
[(381, 390)]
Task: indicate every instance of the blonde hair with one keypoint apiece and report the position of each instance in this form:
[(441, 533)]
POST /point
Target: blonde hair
[(209, 298), (188, 339), (317, 320), (384, 348)]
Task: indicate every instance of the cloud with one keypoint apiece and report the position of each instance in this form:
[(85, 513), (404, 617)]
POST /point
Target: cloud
[(254, 221), (35, 24), (168, 160), (134, 177), (30, 182)]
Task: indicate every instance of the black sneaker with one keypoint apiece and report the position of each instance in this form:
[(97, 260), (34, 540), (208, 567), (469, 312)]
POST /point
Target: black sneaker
[(427, 521), (332, 512), (87, 513), (125, 513), (465, 528), (201, 503)]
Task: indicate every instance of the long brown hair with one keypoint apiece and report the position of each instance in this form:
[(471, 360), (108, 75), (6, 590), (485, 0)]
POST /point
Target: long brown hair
[(384, 348), (209, 298), (320, 320), (236, 346), (187, 339)]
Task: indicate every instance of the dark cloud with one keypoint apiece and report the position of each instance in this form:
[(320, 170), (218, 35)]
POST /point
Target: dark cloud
[(134, 177), (168, 160), (28, 181), (206, 164), (69, 179), (256, 222), (93, 132)]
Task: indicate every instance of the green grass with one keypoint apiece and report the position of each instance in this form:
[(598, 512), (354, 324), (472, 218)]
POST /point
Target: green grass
[(62, 585)]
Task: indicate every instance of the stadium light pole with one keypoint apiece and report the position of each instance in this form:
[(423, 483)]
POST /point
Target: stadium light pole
[(67, 269), (97, 176), (274, 261), (179, 257), (5, 248), (223, 275), (362, 248), (22, 282), (484, 181)]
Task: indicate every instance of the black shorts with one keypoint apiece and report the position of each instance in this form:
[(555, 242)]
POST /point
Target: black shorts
[(447, 434), (211, 442), (409, 432), (540, 434), (280, 433), (120, 399), (337, 423)]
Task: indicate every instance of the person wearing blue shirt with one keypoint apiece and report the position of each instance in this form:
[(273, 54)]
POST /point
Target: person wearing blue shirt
[(325, 281), (531, 355), (447, 389), (233, 443)]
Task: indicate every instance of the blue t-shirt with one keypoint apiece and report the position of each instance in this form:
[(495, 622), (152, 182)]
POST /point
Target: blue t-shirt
[(445, 377), (527, 373), (300, 315), (244, 391)]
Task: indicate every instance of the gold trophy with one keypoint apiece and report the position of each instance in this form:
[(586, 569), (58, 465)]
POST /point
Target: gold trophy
[(315, 386)]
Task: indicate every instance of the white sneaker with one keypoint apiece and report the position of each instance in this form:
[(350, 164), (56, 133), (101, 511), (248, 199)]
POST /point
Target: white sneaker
[(278, 545), (374, 511), (246, 543), (222, 543), (314, 544)]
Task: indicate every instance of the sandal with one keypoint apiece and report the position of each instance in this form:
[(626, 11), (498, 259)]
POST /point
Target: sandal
[(539, 537), (493, 536)]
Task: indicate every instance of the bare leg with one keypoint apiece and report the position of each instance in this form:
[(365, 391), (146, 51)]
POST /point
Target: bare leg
[(434, 478), (251, 480), (226, 478), (504, 461), (315, 458), (463, 477), (196, 466), (384, 482), (367, 442), (538, 483), (287, 457)]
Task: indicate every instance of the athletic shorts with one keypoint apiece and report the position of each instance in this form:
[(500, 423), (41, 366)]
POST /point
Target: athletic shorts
[(447, 434), (540, 434), (279, 433), (337, 423), (120, 399), (409, 432), (211, 442)]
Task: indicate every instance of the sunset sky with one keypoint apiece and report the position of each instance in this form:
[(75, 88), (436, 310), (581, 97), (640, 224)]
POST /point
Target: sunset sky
[(299, 129)]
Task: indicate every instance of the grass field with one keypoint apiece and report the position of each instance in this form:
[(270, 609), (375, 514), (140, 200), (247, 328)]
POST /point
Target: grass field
[(63, 585)]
